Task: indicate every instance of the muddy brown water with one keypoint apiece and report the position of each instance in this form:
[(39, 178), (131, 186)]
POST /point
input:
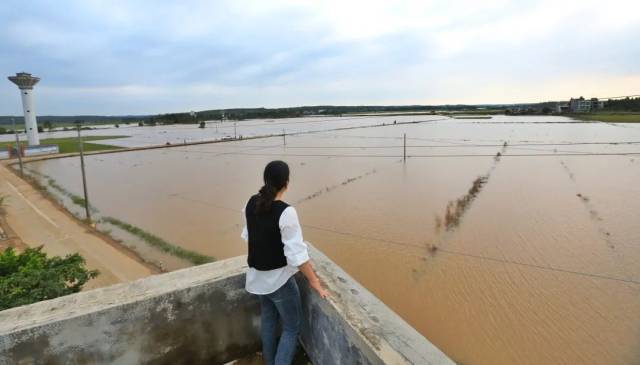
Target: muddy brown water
[(542, 268)]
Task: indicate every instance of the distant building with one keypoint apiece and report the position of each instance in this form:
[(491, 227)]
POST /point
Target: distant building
[(582, 105), (562, 108)]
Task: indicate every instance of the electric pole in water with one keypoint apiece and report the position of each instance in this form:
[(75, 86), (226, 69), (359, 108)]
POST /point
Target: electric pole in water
[(84, 178), (404, 154), (18, 146)]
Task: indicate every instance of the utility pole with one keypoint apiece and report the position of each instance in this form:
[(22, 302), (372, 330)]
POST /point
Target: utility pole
[(18, 147), (404, 155), (84, 178)]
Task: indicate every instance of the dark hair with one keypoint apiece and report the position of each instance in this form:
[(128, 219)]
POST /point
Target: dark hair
[(276, 177)]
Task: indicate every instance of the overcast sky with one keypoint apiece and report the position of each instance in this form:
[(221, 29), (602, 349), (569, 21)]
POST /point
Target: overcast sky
[(139, 57)]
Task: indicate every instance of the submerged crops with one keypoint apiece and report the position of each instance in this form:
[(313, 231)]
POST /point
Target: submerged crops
[(149, 238), (455, 209), (155, 241)]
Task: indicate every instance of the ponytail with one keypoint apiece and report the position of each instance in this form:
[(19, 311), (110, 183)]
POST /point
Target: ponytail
[(276, 178), (265, 198)]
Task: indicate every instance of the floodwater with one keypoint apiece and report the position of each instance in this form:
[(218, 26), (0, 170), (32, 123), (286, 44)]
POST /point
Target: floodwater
[(535, 263), (214, 130)]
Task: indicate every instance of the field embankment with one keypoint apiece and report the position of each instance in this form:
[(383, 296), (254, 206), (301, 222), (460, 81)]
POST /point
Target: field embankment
[(70, 144), (610, 117)]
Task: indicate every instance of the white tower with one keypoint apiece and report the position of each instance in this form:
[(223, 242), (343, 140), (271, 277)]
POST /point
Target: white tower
[(26, 82)]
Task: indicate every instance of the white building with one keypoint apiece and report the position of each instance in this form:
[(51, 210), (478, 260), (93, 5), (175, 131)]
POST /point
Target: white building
[(582, 105)]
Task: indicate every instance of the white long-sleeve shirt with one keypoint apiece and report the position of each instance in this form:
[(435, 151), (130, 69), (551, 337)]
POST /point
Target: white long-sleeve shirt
[(295, 250)]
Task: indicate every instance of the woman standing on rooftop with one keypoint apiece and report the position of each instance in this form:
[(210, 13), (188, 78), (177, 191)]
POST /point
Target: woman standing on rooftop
[(276, 252)]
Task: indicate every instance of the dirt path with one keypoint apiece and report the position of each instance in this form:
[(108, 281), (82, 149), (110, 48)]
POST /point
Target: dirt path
[(38, 221)]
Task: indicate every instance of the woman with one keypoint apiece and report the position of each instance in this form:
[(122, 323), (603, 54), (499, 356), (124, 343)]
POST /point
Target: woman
[(276, 252)]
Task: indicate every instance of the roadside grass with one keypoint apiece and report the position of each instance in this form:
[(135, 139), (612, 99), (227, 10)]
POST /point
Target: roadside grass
[(610, 117), (149, 238), (70, 144), (51, 182), (155, 241)]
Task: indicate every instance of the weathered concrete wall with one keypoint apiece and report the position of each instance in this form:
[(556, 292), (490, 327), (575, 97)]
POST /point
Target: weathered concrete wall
[(202, 315), (355, 327)]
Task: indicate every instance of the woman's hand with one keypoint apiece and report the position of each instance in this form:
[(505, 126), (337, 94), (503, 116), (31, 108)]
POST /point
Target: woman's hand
[(317, 286), (312, 278)]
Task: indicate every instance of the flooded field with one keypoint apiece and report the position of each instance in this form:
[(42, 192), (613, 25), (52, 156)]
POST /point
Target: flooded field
[(511, 240), (215, 130)]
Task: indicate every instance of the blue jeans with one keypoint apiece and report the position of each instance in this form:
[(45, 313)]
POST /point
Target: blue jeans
[(283, 304)]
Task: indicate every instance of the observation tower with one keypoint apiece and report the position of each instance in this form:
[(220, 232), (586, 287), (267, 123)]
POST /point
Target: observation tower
[(25, 82)]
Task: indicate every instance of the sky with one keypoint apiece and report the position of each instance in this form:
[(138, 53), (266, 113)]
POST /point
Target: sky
[(121, 57)]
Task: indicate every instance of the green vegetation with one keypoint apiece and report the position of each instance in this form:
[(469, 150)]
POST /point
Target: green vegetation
[(71, 121), (70, 144), (31, 276), (610, 117), (155, 241), (77, 200), (626, 104)]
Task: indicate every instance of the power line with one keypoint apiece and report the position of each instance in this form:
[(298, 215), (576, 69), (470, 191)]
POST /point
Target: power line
[(474, 256), (422, 247), (441, 155), (450, 146)]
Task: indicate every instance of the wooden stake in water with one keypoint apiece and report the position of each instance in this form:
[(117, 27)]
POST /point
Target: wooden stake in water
[(18, 147), (284, 137), (235, 133), (404, 154), (84, 178)]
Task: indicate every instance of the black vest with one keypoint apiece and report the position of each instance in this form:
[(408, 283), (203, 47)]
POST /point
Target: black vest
[(266, 250)]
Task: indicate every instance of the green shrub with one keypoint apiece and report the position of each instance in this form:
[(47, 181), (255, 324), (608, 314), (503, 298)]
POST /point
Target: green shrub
[(31, 276)]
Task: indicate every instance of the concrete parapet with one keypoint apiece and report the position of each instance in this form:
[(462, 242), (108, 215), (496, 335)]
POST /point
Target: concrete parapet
[(202, 315)]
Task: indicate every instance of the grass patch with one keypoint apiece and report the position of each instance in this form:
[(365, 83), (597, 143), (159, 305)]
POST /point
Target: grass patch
[(155, 241), (70, 144), (610, 117), (51, 182), (75, 199)]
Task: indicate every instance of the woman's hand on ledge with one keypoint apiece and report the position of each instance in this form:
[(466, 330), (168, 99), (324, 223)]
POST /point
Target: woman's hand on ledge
[(307, 270), (317, 286)]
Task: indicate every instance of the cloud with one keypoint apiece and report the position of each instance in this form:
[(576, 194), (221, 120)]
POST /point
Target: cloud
[(125, 57)]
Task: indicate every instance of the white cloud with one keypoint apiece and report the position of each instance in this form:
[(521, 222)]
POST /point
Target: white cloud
[(121, 56)]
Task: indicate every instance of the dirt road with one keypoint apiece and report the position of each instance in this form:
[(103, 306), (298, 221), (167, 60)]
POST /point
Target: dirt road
[(38, 221)]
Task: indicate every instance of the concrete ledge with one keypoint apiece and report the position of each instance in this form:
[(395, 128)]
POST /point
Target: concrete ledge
[(193, 316), (355, 327), (202, 315)]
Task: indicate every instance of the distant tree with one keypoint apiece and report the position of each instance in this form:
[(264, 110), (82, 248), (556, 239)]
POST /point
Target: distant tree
[(151, 121), (3, 130), (546, 110), (201, 125), (31, 276), (140, 124), (117, 126), (47, 124), (40, 129)]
